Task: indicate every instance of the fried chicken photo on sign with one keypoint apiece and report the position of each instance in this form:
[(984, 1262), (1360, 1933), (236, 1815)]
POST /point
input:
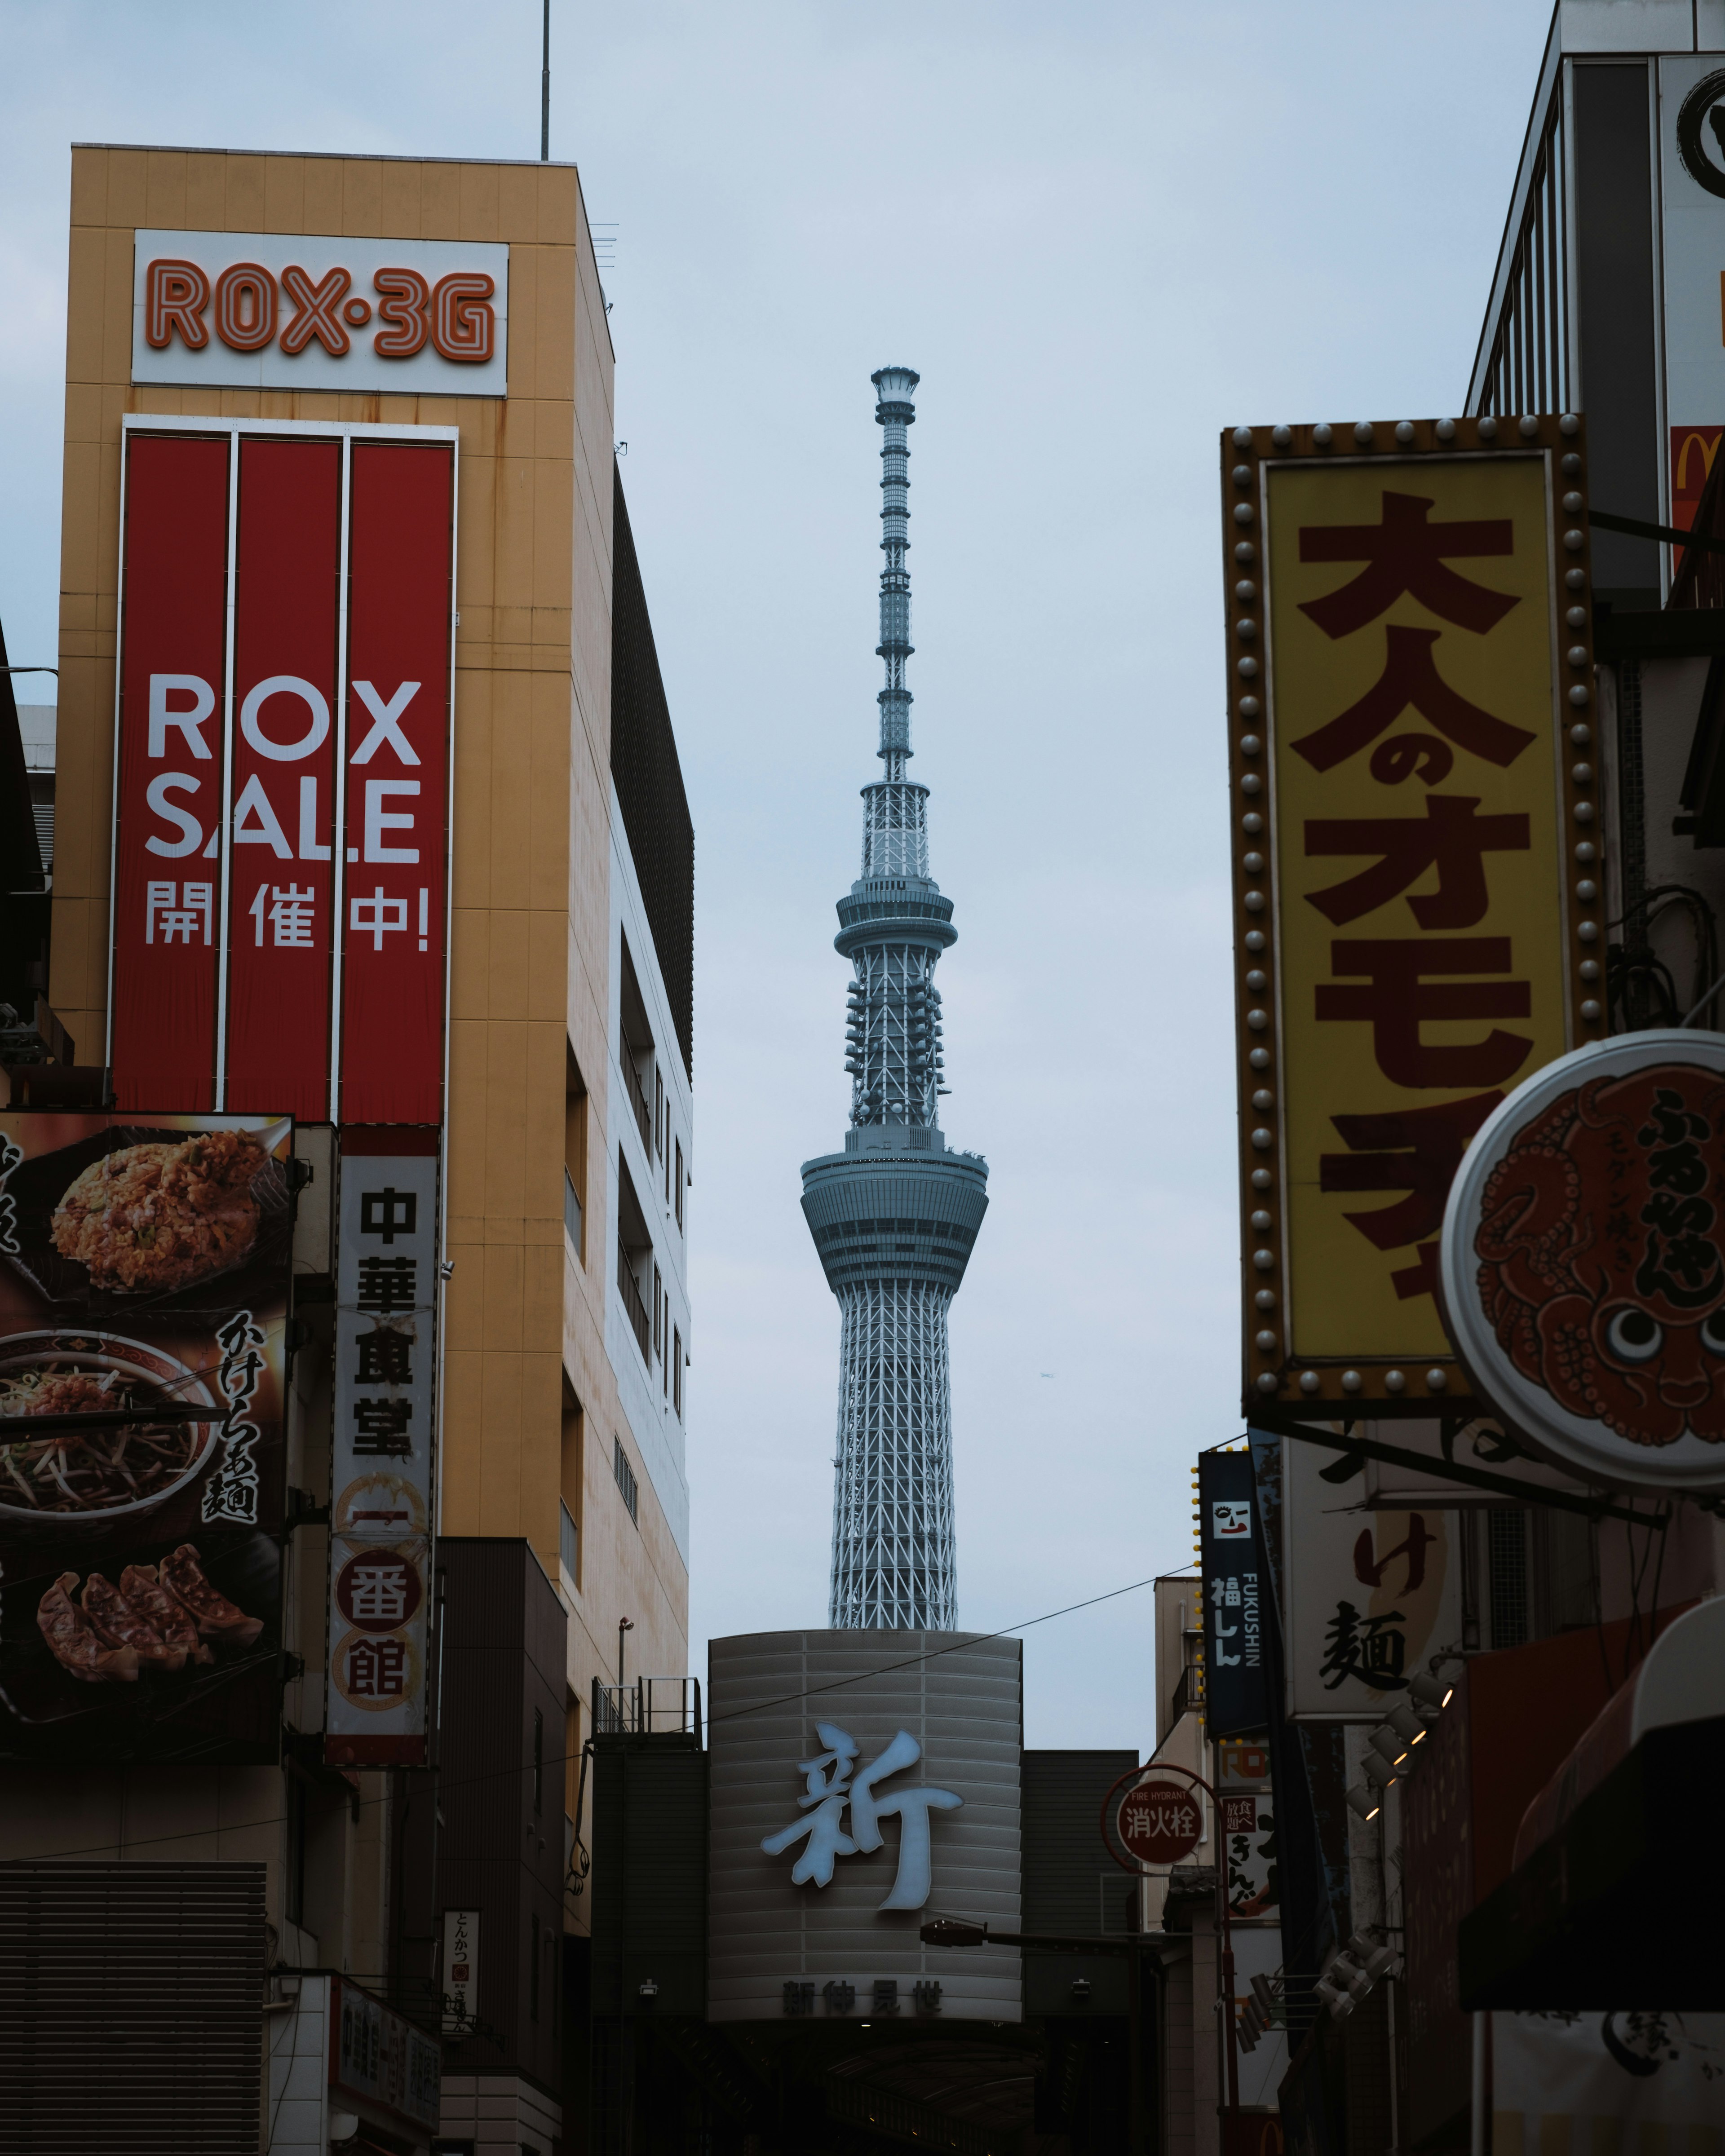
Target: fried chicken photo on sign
[(73, 1643), (215, 1616), (155, 1217)]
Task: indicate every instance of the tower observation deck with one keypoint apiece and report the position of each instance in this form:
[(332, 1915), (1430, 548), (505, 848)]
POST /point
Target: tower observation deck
[(895, 1214)]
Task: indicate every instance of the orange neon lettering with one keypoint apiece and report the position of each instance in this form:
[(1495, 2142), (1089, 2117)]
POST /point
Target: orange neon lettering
[(175, 296)]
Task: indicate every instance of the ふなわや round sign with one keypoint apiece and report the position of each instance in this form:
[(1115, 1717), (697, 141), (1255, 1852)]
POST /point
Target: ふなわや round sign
[(1584, 1261)]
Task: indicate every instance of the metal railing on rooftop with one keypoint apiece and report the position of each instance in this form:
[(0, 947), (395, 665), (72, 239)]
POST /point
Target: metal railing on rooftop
[(650, 1706)]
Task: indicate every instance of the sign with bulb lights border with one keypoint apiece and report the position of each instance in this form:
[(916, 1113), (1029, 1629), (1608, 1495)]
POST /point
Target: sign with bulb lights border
[(1417, 872)]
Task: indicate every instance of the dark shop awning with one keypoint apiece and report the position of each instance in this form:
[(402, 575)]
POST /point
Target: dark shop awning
[(1607, 1906)]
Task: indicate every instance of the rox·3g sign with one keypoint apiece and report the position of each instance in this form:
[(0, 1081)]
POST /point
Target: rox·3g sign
[(279, 311)]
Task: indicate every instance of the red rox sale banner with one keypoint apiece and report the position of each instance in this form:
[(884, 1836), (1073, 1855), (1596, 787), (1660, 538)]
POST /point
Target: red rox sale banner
[(281, 860)]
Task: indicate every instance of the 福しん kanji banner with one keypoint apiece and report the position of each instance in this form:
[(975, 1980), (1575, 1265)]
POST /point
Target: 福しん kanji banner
[(282, 828), (1418, 877)]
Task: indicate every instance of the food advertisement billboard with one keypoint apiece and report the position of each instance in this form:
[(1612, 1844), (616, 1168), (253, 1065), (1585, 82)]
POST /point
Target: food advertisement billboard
[(1418, 880), (144, 1280), (279, 898)]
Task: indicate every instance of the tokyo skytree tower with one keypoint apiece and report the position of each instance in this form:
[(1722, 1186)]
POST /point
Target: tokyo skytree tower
[(895, 1214)]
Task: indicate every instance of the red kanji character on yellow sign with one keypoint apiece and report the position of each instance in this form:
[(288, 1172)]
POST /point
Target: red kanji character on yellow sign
[(1404, 553), (1410, 676), (1400, 998), (1415, 1150), (1449, 838)]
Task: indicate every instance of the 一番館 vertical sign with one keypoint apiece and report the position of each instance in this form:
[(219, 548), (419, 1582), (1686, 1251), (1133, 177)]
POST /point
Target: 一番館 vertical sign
[(1417, 881), (382, 1517)]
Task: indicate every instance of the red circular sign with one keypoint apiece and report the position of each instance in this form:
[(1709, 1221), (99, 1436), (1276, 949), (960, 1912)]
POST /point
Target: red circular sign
[(1158, 1822), (377, 1591)]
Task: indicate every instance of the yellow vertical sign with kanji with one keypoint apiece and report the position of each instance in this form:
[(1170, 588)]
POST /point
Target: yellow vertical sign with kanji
[(1413, 724)]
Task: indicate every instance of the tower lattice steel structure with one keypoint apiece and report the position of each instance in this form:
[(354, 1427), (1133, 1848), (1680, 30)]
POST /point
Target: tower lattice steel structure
[(895, 1214)]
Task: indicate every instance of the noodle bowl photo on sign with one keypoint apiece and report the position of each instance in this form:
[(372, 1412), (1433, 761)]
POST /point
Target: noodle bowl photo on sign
[(1584, 1261), (144, 1278)]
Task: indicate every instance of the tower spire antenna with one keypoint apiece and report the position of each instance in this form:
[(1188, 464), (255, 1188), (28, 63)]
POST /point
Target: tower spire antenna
[(894, 1215)]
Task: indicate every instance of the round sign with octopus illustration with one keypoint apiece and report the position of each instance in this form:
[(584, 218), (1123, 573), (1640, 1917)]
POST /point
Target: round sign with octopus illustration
[(1584, 1261)]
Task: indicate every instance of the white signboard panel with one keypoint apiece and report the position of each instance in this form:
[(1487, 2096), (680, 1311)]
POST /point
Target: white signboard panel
[(853, 1797), (1370, 1596), (460, 1971), (311, 310), (382, 1516)]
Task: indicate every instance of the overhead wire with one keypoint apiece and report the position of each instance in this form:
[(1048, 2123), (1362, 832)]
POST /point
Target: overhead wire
[(447, 1784)]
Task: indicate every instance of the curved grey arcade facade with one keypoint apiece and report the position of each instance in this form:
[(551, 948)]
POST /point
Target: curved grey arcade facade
[(895, 1214)]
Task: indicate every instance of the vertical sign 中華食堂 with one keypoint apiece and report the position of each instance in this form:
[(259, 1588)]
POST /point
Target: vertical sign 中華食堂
[(1233, 1581), (1418, 880), (382, 1516), (280, 861)]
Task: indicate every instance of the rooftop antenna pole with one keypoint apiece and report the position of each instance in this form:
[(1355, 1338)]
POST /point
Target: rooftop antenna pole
[(545, 94)]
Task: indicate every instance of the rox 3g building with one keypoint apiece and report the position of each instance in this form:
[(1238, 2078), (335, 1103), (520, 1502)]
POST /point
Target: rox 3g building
[(370, 815)]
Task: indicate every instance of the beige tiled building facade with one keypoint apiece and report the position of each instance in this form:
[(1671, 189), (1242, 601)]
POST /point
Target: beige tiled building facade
[(568, 1113)]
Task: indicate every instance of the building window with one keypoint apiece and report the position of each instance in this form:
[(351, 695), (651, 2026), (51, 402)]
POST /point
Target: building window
[(677, 1372), (625, 1479), (635, 1241), (568, 1544), (658, 1313), (538, 1762), (660, 1118), (573, 1478), (635, 1052), (533, 1968), (575, 1156), (1506, 1576), (680, 1182)]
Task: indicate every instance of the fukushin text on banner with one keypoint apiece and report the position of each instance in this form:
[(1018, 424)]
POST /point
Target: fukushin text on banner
[(1233, 1586), (279, 879), (1419, 892)]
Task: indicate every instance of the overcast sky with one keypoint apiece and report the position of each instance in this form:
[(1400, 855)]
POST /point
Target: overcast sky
[(1102, 232)]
